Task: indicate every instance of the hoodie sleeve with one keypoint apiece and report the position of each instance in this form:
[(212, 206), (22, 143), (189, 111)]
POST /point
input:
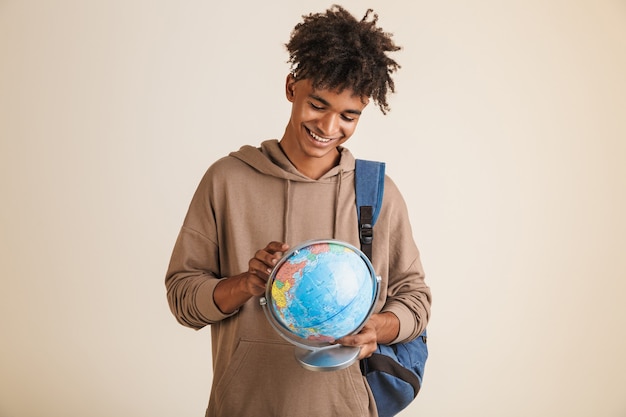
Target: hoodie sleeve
[(193, 271), (407, 294)]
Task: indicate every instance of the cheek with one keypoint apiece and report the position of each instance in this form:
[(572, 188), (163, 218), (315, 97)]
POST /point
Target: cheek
[(349, 128), (301, 113)]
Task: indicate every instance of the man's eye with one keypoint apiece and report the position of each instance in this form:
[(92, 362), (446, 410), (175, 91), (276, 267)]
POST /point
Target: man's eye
[(347, 118), (316, 107)]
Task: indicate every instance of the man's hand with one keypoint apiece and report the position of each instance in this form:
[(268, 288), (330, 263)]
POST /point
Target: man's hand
[(260, 267), (380, 328), (231, 293)]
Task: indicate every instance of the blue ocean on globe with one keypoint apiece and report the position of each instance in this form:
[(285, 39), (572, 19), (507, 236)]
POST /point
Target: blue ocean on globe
[(322, 291)]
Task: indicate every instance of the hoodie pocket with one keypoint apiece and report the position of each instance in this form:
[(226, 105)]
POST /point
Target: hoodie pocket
[(264, 379)]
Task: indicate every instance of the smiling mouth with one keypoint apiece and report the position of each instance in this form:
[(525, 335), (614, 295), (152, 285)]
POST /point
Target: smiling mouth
[(319, 138)]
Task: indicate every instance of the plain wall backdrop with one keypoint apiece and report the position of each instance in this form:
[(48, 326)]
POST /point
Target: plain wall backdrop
[(507, 137)]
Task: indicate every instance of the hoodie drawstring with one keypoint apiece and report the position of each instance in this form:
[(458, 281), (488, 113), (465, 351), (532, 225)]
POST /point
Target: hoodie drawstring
[(337, 191), (287, 207)]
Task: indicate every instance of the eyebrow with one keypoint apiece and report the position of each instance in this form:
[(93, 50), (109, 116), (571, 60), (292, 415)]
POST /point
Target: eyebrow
[(327, 104)]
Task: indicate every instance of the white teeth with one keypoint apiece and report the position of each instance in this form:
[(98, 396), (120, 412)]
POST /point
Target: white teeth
[(319, 138)]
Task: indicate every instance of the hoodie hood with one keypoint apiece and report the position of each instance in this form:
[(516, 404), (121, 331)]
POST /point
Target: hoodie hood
[(270, 159)]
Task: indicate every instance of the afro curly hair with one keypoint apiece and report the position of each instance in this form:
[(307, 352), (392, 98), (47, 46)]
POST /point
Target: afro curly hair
[(336, 51)]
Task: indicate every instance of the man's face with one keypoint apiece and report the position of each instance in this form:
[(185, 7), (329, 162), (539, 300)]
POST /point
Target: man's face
[(321, 120)]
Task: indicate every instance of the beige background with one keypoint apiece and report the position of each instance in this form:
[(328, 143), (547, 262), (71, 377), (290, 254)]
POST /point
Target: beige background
[(507, 137)]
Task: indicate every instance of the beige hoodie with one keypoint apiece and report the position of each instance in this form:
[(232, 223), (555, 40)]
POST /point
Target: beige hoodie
[(252, 197)]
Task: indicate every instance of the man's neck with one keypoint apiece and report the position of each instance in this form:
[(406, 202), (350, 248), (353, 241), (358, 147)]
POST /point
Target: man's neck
[(313, 168)]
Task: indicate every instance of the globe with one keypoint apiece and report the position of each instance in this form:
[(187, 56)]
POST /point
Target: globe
[(320, 291)]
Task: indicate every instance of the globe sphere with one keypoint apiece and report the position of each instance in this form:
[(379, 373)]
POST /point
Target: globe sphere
[(320, 291)]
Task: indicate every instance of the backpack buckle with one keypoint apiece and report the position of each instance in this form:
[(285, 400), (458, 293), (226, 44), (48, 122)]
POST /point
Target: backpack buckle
[(366, 234)]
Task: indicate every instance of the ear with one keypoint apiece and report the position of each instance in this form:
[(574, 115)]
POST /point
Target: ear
[(290, 87)]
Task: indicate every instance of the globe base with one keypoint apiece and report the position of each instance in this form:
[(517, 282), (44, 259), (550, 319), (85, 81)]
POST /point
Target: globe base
[(331, 358)]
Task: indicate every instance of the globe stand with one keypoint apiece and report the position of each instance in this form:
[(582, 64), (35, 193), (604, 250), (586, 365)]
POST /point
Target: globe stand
[(331, 358)]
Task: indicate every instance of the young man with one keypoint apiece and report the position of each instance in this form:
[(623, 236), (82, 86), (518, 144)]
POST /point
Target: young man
[(233, 234)]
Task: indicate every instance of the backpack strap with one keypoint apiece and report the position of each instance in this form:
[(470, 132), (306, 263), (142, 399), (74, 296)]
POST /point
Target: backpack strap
[(370, 184), (394, 372)]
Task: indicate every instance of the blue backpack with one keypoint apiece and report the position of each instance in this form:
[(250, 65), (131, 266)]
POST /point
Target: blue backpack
[(394, 372)]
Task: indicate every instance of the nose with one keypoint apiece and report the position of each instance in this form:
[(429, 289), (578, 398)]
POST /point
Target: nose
[(329, 124)]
